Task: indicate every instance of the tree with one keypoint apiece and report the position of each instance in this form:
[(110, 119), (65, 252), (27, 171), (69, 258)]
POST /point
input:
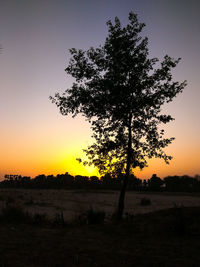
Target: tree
[(120, 91), (155, 183)]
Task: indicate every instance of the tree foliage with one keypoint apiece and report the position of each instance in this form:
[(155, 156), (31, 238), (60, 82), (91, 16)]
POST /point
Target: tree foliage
[(120, 91)]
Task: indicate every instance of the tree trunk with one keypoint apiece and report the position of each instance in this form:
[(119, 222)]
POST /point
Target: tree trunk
[(126, 177)]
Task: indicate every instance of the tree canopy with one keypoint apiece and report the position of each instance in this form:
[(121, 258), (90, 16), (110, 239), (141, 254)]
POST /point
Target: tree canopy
[(117, 88), (120, 91)]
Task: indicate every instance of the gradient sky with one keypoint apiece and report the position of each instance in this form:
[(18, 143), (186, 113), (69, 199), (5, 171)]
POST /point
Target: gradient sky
[(36, 35)]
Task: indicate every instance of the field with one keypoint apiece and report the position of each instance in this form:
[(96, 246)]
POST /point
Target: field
[(73, 203), (164, 233)]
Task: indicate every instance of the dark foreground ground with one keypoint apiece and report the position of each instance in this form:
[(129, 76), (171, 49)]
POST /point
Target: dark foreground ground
[(163, 238)]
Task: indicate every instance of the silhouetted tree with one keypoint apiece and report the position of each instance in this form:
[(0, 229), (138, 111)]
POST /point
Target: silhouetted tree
[(120, 92), (183, 183), (172, 183), (65, 180), (155, 183), (186, 183), (81, 181), (144, 184), (134, 183)]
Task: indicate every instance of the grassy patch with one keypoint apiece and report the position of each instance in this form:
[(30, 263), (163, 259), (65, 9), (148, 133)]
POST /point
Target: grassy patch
[(16, 215)]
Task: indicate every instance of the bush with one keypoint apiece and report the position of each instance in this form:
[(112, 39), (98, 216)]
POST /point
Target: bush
[(12, 214)]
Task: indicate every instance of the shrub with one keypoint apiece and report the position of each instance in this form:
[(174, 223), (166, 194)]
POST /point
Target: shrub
[(12, 214)]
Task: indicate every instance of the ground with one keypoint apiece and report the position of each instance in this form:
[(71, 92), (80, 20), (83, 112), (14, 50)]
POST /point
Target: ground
[(73, 202), (167, 236)]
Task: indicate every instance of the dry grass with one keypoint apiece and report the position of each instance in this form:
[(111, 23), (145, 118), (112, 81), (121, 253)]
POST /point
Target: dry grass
[(73, 202)]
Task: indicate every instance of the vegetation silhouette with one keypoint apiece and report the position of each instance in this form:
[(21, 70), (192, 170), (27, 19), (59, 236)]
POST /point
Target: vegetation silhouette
[(175, 183), (120, 91)]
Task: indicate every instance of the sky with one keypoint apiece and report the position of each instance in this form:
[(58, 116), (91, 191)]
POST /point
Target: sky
[(36, 36)]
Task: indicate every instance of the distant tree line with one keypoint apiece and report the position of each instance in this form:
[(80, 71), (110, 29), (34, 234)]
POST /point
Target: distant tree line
[(183, 183)]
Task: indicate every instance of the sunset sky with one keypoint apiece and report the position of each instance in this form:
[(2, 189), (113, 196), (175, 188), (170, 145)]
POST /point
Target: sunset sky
[(36, 35)]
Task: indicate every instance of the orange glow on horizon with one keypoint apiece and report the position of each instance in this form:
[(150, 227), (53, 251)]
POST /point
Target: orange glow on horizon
[(60, 161), (54, 151)]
